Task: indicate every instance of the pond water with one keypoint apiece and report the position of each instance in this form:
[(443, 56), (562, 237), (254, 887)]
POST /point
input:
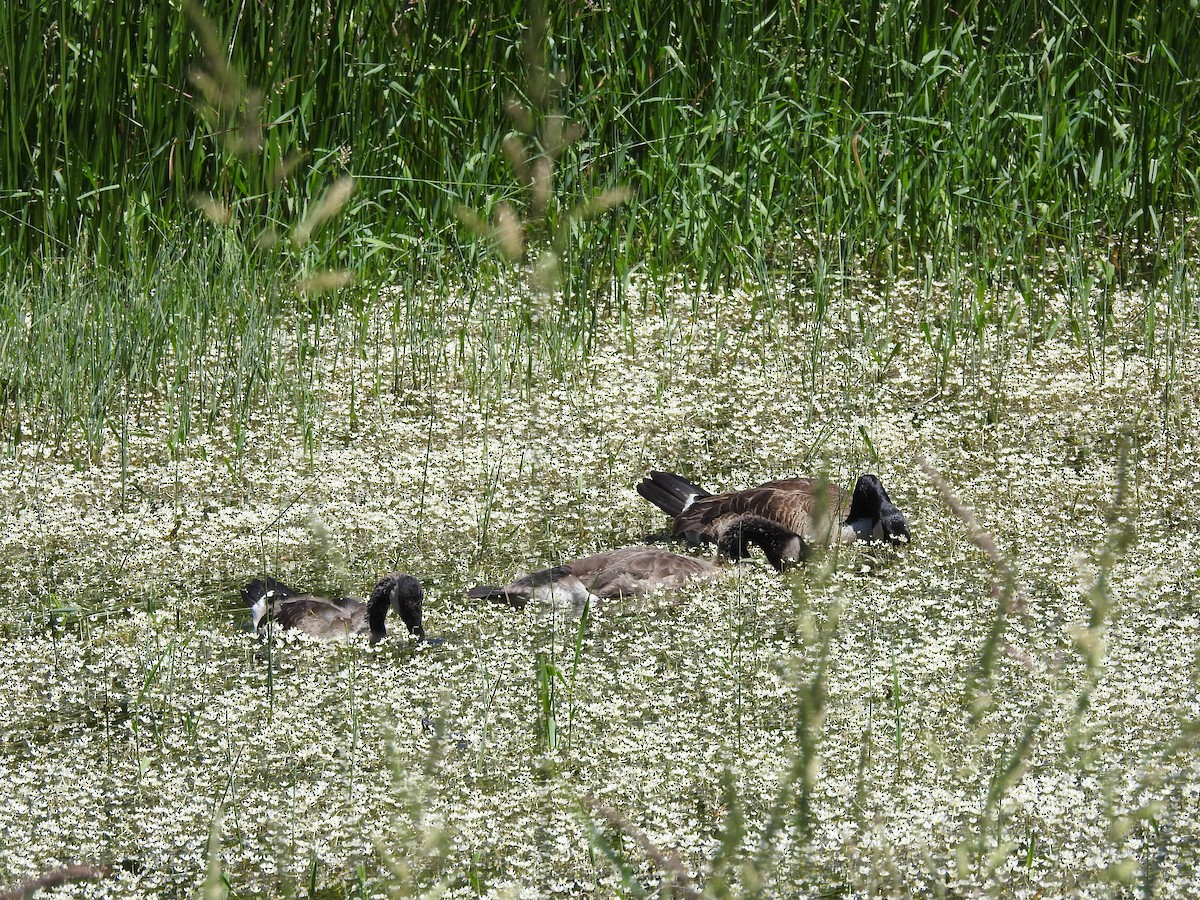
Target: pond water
[(143, 726)]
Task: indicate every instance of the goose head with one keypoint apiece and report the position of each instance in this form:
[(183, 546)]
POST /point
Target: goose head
[(259, 595), (873, 516), (402, 593)]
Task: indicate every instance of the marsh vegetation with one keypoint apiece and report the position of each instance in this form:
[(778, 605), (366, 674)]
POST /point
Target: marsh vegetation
[(835, 259)]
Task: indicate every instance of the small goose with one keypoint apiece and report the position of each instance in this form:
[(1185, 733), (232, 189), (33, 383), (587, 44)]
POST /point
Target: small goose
[(626, 572), (340, 619), (782, 517)]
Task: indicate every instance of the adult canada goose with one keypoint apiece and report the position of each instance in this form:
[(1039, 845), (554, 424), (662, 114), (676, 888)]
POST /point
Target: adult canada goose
[(626, 572), (340, 619), (782, 517)]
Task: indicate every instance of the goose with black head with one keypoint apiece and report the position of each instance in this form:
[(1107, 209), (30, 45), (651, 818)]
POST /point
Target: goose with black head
[(340, 618), (783, 517)]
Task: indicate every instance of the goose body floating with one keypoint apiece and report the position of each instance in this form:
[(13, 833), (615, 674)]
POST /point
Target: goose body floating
[(342, 618), (626, 572), (782, 517)]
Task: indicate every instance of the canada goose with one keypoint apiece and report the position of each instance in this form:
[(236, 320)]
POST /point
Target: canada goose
[(782, 517), (340, 619), (625, 572)]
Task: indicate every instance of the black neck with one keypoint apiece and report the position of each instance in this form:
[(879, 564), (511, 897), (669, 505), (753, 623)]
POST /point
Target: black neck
[(377, 617)]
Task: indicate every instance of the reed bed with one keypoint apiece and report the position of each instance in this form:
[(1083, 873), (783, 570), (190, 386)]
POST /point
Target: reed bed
[(896, 128)]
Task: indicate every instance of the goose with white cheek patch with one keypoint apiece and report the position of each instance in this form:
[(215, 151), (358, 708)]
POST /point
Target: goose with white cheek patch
[(626, 572), (783, 517), (342, 618)]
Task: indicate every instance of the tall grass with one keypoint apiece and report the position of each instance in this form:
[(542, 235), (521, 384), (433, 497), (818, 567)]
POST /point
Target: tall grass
[(900, 126), (802, 142)]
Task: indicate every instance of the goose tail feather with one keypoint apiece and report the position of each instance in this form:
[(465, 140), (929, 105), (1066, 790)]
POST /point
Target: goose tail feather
[(670, 492)]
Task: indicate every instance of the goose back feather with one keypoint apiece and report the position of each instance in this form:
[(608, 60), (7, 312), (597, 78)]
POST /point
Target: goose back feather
[(625, 572), (340, 618), (783, 517)]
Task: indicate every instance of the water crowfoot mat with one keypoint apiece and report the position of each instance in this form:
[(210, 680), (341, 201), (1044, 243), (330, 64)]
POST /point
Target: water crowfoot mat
[(834, 729)]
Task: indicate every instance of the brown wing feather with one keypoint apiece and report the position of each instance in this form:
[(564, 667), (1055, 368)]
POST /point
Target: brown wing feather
[(630, 571), (318, 616), (799, 505)]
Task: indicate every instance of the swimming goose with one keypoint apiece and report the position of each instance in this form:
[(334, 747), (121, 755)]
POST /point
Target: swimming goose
[(340, 619), (782, 517), (625, 572)]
